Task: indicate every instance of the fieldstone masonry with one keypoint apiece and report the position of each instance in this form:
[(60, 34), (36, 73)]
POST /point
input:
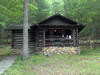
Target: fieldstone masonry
[(19, 51), (50, 50), (16, 51), (61, 50)]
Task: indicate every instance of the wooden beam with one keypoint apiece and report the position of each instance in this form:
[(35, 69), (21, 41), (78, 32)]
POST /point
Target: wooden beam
[(56, 27)]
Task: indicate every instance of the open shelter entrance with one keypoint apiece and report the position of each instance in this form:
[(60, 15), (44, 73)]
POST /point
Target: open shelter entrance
[(58, 37)]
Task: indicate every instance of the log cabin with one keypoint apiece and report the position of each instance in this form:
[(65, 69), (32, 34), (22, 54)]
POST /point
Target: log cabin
[(53, 34)]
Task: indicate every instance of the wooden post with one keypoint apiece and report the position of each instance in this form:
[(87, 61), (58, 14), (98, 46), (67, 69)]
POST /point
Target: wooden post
[(12, 38), (63, 33), (73, 33), (44, 37), (36, 38), (52, 36), (77, 40)]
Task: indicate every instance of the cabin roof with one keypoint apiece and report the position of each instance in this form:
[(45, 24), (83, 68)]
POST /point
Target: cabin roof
[(55, 20), (58, 17), (59, 20)]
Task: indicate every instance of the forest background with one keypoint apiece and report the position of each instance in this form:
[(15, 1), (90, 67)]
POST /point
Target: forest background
[(86, 12)]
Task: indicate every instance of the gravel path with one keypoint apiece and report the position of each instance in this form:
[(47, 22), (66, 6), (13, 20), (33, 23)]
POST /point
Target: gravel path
[(6, 62)]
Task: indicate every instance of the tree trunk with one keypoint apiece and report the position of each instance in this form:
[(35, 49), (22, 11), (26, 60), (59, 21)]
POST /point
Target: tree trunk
[(2, 36), (65, 8), (90, 43), (31, 3), (7, 37), (30, 12), (93, 33), (25, 32)]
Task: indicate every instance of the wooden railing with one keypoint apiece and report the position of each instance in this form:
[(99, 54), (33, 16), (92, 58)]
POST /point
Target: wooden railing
[(57, 42)]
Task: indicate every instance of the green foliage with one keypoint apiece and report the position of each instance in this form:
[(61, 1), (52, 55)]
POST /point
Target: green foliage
[(86, 51), (5, 50), (83, 11), (41, 13), (12, 11), (2, 24)]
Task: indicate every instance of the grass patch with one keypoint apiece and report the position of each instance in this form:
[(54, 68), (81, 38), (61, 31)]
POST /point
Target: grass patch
[(88, 52), (5, 50), (87, 63)]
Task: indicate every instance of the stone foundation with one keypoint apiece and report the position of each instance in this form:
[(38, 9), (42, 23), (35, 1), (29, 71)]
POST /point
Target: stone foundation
[(61, 50), (50, 50), (19, 51), (16, 51)]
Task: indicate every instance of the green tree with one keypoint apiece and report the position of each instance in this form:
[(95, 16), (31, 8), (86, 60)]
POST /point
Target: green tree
[(42, 12)]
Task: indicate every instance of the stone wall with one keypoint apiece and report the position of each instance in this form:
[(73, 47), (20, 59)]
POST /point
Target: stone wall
[(19, 51), (60, 50), (16, 51), (49, 50)]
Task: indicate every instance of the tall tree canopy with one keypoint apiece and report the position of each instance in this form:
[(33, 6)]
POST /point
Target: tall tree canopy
[(84, 11)]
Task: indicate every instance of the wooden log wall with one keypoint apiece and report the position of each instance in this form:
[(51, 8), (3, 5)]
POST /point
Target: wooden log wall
[(40, 37), (17, 39), (75, 37), (43, 41)]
